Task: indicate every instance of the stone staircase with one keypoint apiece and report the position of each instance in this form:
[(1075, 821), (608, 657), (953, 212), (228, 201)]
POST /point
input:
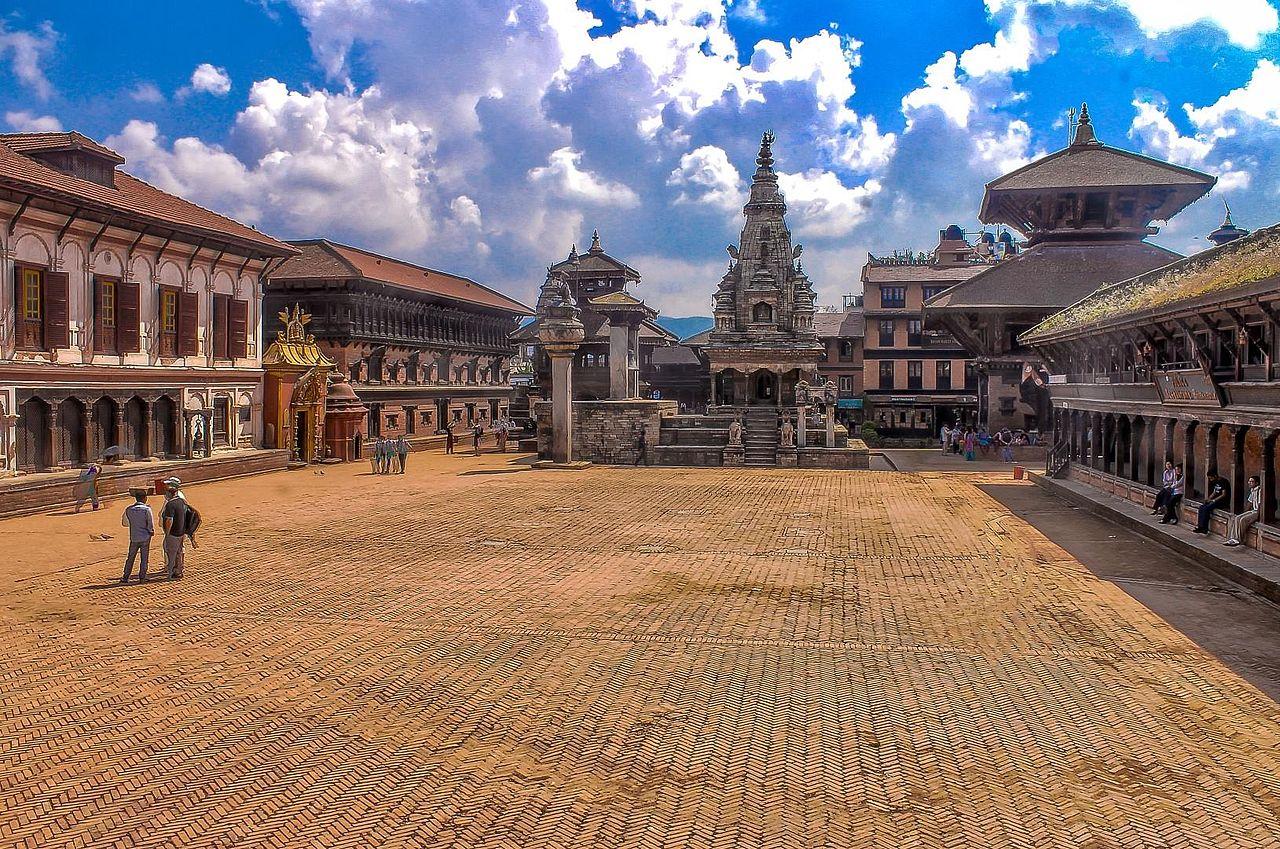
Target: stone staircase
[(760, 442)]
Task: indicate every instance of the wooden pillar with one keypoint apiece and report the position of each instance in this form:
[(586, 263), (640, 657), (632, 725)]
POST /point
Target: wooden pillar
[(1267, 476), (1237, 434), (1210, 454), (1189, 458)]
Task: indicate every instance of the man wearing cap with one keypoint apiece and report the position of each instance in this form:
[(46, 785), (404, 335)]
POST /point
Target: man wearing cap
[(174, 520)]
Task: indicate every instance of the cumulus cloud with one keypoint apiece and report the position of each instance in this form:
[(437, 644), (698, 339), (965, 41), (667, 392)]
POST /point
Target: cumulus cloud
[(706, 176), (342, 164), (28, 122), (564, 174), (27, 51), (821, 206), (207, 79)]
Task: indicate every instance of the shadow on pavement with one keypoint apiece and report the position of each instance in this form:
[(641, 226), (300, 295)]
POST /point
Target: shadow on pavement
[(1238, 627)]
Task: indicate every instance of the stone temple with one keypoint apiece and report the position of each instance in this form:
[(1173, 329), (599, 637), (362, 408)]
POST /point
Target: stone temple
[(763, 342)]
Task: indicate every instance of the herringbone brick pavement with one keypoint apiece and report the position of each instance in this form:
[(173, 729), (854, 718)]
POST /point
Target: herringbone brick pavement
[(618, 658)]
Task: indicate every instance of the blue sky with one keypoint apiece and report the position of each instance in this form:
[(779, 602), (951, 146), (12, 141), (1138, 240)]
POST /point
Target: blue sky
[(485, 136)]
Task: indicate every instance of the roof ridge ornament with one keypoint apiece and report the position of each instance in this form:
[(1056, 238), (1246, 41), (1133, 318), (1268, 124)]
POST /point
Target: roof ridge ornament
[(1084, 128)]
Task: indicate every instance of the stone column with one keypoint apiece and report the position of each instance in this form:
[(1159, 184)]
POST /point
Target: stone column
[(562, 404), (619, 363)]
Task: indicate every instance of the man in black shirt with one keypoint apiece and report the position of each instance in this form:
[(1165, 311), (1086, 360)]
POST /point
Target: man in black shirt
[(1218, 499), (174, 520)]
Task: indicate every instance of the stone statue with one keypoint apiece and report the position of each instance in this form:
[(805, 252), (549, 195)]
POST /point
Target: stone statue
[(735, 433), (787, 436)]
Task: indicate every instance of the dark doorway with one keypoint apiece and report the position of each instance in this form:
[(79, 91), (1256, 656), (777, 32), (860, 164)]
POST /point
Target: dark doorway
[(105, 433), (33, 436), (135, 427), (163, 415), (71, 432)]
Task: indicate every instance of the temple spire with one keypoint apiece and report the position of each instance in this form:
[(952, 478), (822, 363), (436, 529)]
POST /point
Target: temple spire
[(765, 158), (1084, 128)]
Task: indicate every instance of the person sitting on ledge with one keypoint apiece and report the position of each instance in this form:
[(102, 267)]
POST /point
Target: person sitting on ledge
[(1239, 524), (1218, 499), (1166, 487), (1174, 501)]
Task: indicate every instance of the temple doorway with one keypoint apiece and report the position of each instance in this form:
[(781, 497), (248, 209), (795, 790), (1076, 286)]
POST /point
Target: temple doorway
[(764, 386)]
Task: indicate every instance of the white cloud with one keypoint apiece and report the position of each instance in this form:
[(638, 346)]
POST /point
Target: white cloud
[(565, 177), (28, 122), (313, 163), (27, 51), (207, 79), (821, 206), (706, 176), (146, 92), (941, 90)]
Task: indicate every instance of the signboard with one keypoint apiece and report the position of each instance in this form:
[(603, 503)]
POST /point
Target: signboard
[(1189, 387)]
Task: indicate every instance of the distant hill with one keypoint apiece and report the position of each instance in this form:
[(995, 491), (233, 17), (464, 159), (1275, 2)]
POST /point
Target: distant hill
[(687, 326)]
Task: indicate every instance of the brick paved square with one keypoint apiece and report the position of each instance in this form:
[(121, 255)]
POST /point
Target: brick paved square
[(473, 655)]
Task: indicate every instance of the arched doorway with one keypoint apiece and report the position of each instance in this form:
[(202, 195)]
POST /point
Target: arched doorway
[(135, 428), (104, 426), (764, 387), (71, 432), (33, 436), (164, 414)]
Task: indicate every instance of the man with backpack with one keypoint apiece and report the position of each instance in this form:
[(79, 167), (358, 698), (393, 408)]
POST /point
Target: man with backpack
[(180, 522)]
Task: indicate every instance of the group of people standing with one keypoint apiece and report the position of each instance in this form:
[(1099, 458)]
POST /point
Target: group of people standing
[(179, 522), (970, 440), (389, 456), (1169, 503)]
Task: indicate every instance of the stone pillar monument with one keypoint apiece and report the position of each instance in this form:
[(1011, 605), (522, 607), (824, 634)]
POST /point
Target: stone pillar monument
[(560, 330)]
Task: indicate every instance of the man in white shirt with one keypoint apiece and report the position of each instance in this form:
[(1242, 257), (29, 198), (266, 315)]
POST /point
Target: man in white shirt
[(1239, 524)]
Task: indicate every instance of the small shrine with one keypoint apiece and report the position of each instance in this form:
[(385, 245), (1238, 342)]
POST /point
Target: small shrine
[(296, 390)]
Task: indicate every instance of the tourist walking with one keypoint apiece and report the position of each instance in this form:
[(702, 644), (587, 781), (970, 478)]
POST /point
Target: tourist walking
[(1239, 524), (1173, 504), (402, 452), (1218, 499), (141, 523), (173, 519), (87, 486), (448, 438), (1166, 487)]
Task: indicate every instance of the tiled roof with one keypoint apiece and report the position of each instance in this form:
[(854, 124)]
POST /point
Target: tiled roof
[(1252, 259), (874, 273), (839, 325), (130, 197), (322, 259), (37, 142), (1097, 166), (1051, 275)]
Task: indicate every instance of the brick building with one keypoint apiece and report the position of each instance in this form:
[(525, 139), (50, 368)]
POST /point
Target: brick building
[(1086, 211), (1180, 363), (130, 317), (841, 335), (918, 379), (420, 347)]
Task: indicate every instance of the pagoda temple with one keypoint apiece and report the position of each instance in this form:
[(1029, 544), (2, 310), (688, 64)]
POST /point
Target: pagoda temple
[(1086, 212), (763, 341)]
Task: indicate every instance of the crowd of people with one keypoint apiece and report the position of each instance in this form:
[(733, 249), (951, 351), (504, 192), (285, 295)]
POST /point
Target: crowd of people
[(1168, 504), (970, 441)]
